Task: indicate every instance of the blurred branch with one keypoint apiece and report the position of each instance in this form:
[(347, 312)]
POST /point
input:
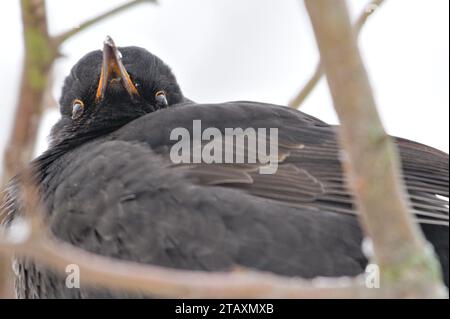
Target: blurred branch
[(41, 51), (115, 274), (166, 282), (301, 96), (38, 58), (298, 100), (59, 39), (373, 163), (6, 278)]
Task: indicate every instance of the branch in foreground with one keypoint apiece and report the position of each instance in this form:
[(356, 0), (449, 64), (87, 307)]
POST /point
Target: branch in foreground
[(166, 282), (373, 164), (301, 96), (59, 39), (173, 283)]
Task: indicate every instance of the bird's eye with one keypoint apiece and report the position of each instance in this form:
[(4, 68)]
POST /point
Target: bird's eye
[(77, 109), (161, 99)]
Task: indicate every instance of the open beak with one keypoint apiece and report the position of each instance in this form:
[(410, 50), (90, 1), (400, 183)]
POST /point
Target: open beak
[(113, 71)]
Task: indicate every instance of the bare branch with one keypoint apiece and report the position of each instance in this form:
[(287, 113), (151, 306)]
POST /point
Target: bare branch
[(36, 63), (41, 51), (298, 100), (166, 282), (59, 39), (373, 164), (6, 281), (116, 274), (369, 9), (173, 283)]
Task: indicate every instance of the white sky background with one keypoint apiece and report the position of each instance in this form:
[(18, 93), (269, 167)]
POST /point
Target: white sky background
[(261, 50)]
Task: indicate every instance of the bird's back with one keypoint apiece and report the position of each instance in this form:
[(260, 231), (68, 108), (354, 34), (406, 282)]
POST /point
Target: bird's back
[(122, 196)]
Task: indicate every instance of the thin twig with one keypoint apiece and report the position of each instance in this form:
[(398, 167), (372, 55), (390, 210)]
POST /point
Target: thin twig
[(59, 39), (301, 96), (298, 100)]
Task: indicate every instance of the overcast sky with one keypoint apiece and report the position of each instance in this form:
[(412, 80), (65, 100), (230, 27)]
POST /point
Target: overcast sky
[(261, 50)]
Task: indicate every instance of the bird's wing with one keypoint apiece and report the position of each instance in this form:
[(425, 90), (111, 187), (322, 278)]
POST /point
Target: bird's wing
[(120, 199), (309, 170), (121, 196)]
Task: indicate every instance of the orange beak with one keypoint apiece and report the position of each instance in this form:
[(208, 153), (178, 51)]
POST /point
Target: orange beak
[(113, 70)]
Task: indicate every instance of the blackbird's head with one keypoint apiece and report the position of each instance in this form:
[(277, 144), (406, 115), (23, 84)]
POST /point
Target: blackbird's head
[(108, 89)]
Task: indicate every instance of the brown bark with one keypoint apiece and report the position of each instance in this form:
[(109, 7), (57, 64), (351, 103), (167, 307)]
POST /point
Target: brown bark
[(39, 55), (373, 165), (176, 283), (41, 51)]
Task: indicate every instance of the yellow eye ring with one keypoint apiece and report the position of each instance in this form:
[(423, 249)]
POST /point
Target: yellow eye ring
[(161, 99), (160, 93), (77, 109)]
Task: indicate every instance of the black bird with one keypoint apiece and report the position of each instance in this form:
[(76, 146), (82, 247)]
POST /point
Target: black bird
[(110, 186)]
